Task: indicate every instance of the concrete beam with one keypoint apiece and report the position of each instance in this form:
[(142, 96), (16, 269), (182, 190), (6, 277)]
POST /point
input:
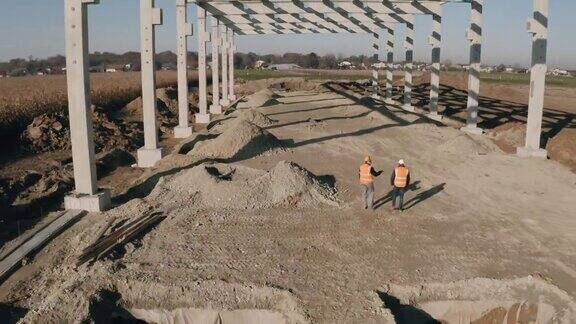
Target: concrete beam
[(225, 48), (408, 67), (215, 108), (436, 41), (376, 59), (474, 35), (184, 129), (202, 117), (231, 51), (538, 27), (79, 110), (150, 17)]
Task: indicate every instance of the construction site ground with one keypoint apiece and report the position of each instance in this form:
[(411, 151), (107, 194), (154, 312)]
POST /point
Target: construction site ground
[(472, 212)]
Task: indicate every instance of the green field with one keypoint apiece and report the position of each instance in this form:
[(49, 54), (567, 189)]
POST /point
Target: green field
[(524, 78), (504, 78)]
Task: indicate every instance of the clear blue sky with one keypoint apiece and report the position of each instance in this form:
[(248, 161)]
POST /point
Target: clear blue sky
[(35, 27)]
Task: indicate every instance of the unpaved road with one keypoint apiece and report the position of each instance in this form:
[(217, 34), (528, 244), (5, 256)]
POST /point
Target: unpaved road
[(474, 211)]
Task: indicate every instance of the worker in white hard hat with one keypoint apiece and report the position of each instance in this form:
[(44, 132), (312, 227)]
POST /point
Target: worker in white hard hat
[(400, 181), (367, 175)]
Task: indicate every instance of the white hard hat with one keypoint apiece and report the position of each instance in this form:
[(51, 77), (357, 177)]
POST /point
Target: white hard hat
[(401, 161)]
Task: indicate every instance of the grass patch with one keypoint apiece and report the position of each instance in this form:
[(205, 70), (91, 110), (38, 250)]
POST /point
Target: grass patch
[(524, 78)]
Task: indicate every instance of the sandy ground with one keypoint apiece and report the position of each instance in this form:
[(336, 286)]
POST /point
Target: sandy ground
[(473, 212)]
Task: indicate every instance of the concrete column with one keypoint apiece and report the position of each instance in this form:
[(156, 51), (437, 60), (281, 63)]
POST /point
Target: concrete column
[(408, 66), (231, 51), (215, 108), (183, 130), (225, 102), (436, 41), (474, 35), (538, 27), (149, 18), (390, 64), (202, 117), (376, 59), (86, 195)]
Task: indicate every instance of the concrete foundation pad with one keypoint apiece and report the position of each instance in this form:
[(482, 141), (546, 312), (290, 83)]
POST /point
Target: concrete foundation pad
[(225, 103), (472, 130), (182, 132), (202, 118), (96, 203), (390, 101), (216, 109), (409, 108), (527, 152), (147, 158), (435, 116)]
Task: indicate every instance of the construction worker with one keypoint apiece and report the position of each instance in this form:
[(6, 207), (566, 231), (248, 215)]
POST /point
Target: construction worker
[(400, 180), (367, 175)]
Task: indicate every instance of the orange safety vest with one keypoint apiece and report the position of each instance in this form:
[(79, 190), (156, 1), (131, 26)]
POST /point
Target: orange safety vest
[(366, 177), (400, 176)]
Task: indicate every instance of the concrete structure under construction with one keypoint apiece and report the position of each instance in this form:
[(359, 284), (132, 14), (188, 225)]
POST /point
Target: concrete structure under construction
[(229, 18)]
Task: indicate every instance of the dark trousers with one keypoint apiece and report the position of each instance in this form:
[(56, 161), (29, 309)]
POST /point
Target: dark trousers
[(398, 193)]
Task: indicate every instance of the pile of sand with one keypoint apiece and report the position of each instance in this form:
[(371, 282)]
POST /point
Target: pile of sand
[(241, 140), (562, 148), (480, 300), (262, 98), (280, 84), (509, 136), (220, 186), (250, 115), (464, 144)]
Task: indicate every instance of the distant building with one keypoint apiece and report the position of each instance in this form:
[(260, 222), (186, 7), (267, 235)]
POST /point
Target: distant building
[(287, 66), (379, 65), (260, 64), (3, 74), (110, 70), (559, 72), (509, 69), (345, 65)]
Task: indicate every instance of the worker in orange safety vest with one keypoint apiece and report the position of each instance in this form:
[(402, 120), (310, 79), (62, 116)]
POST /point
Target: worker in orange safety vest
[(367, 175), (400, 180)]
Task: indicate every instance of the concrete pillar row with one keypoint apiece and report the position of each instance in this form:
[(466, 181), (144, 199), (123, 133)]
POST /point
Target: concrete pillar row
[(231, 50), (408, 66), (390, 64), (376, 59), (215, 108), (202, 117), (474, 35), (436, 41), (150, 17), (184, 30), (86, 195), (538, 27), (225, 48)]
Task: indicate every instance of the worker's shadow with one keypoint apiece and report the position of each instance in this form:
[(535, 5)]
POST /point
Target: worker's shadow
[(424, 195), (388, 198)]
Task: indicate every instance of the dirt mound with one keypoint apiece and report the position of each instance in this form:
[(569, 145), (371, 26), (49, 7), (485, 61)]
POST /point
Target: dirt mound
[(523, 300), (220, 186), (509, 136), (51, 132), (261, 98), (250, 115), (280, 84), (463, 144), (562, 148), (166, 99), (239, 141)]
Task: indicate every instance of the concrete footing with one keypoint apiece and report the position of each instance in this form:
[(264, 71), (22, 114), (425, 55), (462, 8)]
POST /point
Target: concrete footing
[(96, 203), (474, 130), (390, 101), (527, 152), (147, 158), (224, 102), (182, 132), (435, 116), (216, 109), (375, 97), (202, 118)]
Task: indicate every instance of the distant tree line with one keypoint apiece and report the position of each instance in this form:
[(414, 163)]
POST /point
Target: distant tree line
[(101, 60)]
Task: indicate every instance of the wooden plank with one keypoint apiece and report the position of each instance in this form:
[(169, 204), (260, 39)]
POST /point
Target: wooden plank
[(14, 259)]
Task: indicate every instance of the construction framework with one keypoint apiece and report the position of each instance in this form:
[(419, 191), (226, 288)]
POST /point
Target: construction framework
[(229, 18)]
